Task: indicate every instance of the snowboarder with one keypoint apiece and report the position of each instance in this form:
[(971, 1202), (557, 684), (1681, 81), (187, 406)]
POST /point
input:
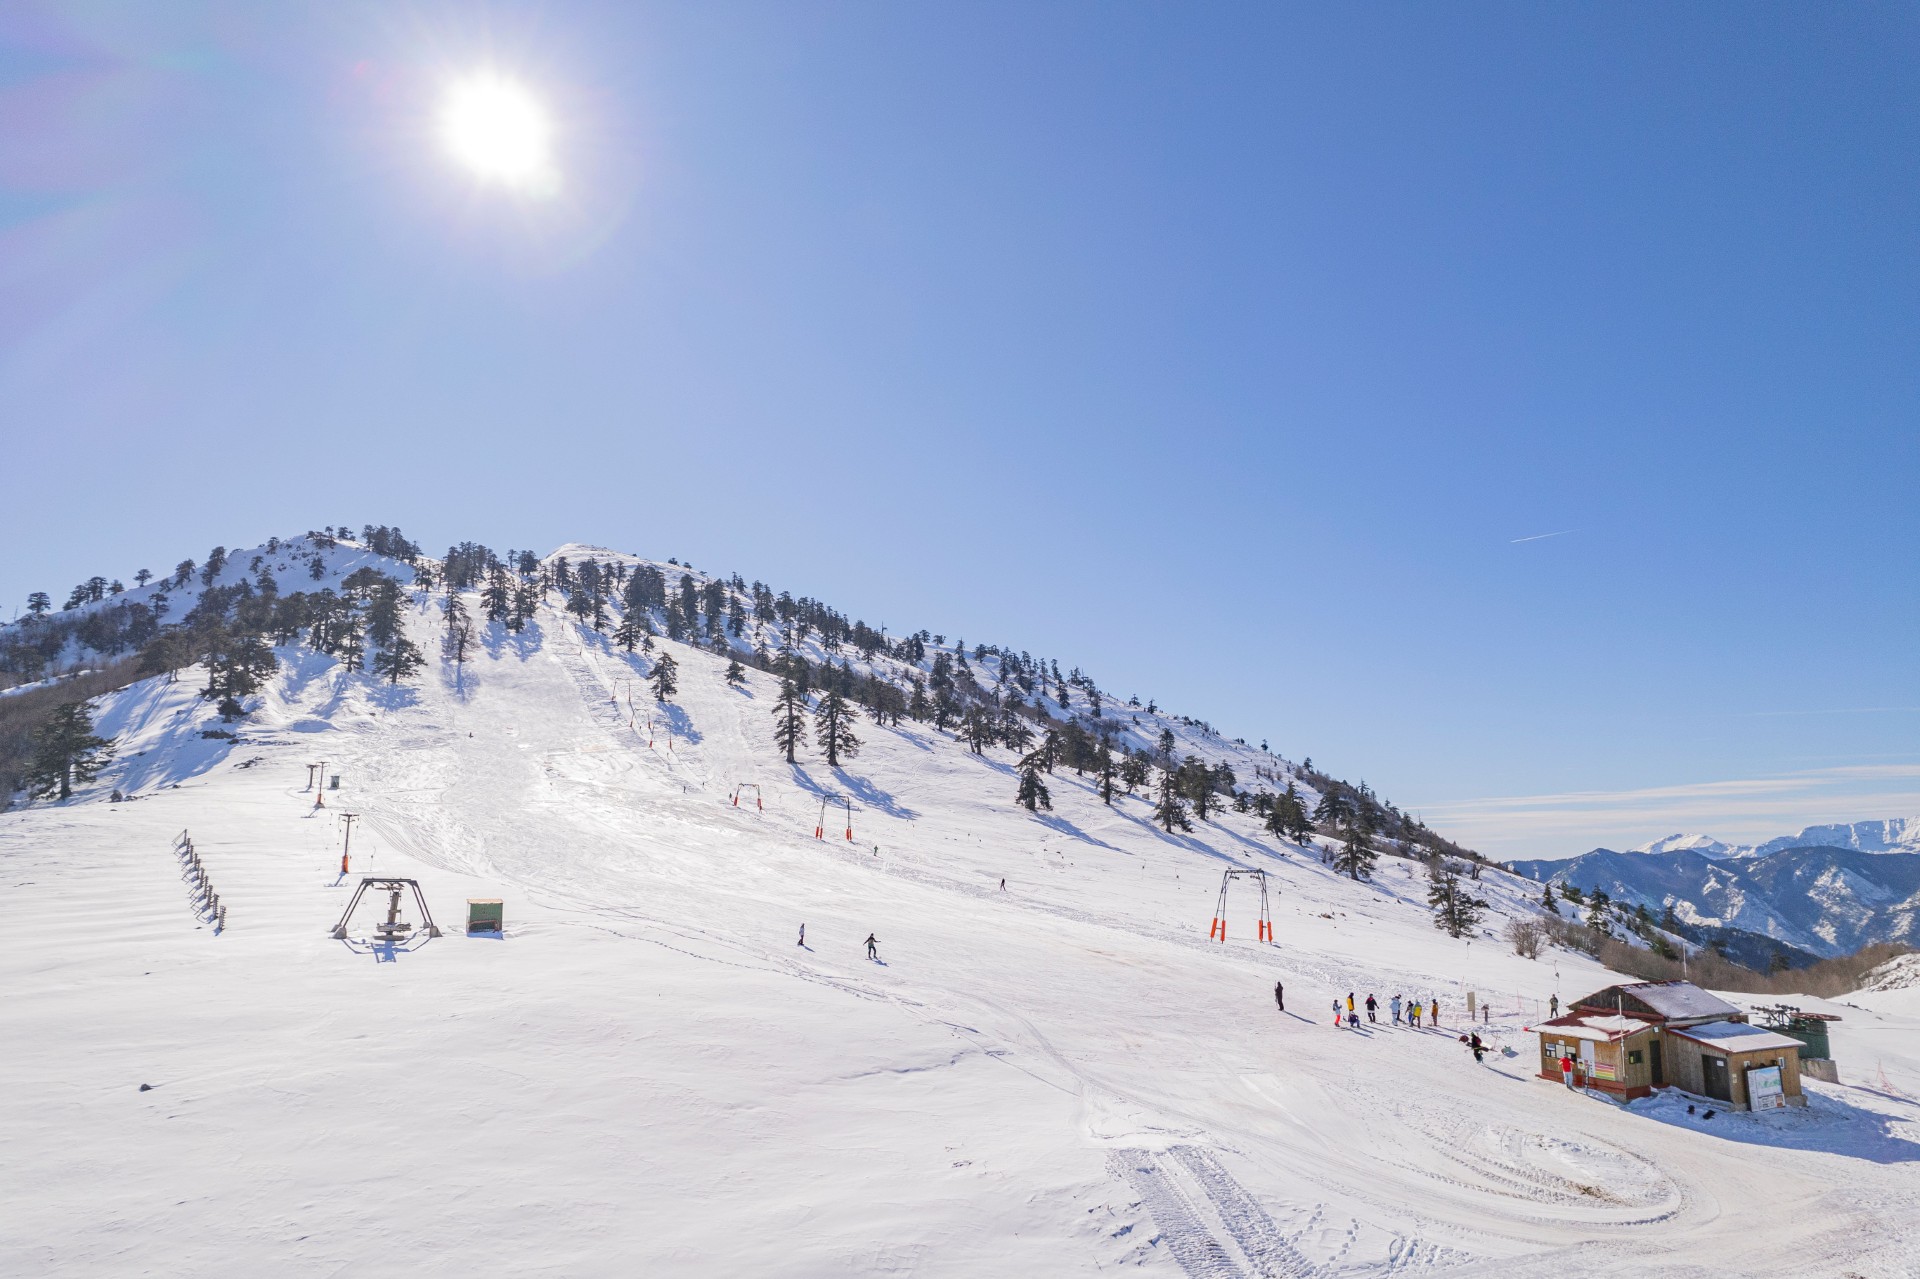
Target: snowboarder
[(873, 947), (1394, 1005), (1566, 1069), (1553, 1005), (1280, 996), (803, 936), (1372, 1005)]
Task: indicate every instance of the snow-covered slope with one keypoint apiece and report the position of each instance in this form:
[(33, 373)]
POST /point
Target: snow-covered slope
[(650, 1075)]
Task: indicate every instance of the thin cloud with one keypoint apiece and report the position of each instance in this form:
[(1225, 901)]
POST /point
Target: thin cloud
[(1540, 537), (1836, 710), (1737, 809)]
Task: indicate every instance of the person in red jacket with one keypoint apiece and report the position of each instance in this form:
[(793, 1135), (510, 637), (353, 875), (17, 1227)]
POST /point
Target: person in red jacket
[(1566, 1068)]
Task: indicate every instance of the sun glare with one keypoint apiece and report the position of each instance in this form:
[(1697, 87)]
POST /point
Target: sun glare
[(497, 129)]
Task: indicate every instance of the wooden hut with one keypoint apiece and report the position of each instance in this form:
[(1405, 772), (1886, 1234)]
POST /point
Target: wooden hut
[(1630, 1039), (1748, 1067)]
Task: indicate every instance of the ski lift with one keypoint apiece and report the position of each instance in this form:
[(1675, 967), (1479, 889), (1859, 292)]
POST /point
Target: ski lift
[(392, 929), (1265, 928), (740, 793)]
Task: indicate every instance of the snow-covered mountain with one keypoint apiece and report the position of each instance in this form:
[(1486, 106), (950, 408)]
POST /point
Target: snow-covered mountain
[(1888, 835), (1050, 1066), (1829, 889), (1705, 845)]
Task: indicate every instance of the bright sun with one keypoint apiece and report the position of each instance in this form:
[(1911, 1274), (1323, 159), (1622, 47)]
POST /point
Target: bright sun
[(498, 130)]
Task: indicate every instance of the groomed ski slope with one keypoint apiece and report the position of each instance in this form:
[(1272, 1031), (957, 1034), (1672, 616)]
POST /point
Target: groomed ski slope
[(648, 1075)]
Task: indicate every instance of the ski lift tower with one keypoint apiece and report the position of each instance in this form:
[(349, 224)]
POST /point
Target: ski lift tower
[(392, 928), (1265, 928)]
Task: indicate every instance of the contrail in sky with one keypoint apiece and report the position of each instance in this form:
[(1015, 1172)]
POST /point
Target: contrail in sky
[(1538, 536)]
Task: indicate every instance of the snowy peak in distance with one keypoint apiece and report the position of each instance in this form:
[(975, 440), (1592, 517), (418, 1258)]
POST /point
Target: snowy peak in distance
[(1892, 835), (1705, 845)]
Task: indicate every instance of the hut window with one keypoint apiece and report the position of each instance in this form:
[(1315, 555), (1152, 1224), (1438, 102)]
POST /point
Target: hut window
[(1633, 1057)]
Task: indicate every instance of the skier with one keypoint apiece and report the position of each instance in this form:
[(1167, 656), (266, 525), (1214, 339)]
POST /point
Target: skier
[(1338, 1016), (1372, 1005), (1553, 1005), (1280, 996), (803, 936), (1394, 1005), (873, 947), (1003, 885)]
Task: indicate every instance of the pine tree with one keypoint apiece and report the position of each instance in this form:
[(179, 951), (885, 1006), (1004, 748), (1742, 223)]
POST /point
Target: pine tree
[(665, 678), (1546, 899), (1133, 772), (736, 673), (526, 602), (1356, 856), (498, 597), (1456, 911), (789, 714), (383, 613), (833, 727), (978, 728), (1331, 813), (38, 603), (1033, 794), (1170, 810), (1103, 761), (351, 647), (1597, 906), (1196, 784), (65, 752), (459, 636), (398, 660)]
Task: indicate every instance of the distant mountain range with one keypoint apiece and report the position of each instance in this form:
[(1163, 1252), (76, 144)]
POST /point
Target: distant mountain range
[(1828, 890)]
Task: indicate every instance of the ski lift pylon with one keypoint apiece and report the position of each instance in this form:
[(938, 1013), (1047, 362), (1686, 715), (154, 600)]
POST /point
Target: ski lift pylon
[(1264, 929), (820, 826), (739, 793), (392, 928)]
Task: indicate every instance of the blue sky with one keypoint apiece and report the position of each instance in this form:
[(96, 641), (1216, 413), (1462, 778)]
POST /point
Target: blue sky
[(1228, 351)]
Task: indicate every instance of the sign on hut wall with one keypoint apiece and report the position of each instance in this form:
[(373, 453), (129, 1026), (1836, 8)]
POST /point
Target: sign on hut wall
[(1764, 1091)]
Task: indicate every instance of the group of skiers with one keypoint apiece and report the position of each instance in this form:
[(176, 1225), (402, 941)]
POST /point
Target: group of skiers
[(1349, 1013)]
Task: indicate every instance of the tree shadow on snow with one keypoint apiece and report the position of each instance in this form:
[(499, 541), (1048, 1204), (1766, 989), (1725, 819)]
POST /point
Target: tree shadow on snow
[(497, 639), (868, 795), (1060, 825), (391, 697), (679, 723), (1185, 841)]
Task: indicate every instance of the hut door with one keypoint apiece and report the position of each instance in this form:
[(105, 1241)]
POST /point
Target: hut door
[(1715, 1071), (1653, 1063)]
